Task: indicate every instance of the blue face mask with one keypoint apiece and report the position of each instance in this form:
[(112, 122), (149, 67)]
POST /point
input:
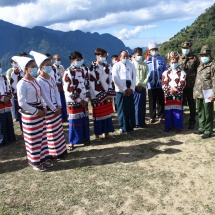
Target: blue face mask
[(186, 51), (154, 53), (1, 71), (205, 59), (82, 61), (139, 58), (174, 65), (15, 65), (78, 64), (102, 59), (34, 72), (48, 69), (124, 61), (58, 63)]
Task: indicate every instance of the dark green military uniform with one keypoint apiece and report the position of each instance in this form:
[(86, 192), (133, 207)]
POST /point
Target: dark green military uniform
[(205, 80), (189, 63)]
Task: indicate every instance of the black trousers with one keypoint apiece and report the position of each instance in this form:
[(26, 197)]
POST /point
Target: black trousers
[(188, 96), (156, 99)]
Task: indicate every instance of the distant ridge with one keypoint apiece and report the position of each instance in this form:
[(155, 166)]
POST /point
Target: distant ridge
[(15, 39)]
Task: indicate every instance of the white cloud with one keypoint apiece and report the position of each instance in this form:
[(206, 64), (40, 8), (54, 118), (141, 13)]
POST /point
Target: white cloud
[(91, 15), (94, 15), (126, 34)]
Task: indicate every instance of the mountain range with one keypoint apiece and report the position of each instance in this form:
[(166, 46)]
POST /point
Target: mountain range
[(14, 39)]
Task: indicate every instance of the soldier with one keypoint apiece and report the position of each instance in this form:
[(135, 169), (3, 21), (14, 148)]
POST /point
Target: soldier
[(205, 82), (189, 63)]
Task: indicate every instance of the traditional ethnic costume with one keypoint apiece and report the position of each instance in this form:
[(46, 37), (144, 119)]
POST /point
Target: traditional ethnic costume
[(54, 128), (58, 71), (34, 127), (6, 122), (140, 96), (124, 76), (173, 78), (76, 88), (101, 91)]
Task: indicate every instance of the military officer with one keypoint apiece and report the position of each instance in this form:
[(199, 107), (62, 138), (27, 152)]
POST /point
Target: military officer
[(189, 63), (205, 80)]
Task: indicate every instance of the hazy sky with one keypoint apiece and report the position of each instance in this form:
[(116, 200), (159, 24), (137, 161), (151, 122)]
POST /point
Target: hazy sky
[(135, 22)]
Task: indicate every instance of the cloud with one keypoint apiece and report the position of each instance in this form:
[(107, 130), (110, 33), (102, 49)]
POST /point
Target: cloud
[(126, 34), (126, 19), (13, 2), (92, 15)]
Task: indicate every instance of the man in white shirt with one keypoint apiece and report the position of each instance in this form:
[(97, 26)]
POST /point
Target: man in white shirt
[(124, 77)]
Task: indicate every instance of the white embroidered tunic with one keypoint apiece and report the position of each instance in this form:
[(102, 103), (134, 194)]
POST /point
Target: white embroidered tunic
[(50, 93), (29, 94)]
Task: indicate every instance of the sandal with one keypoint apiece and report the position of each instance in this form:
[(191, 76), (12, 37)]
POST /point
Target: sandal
[(109, 136), (98, 139), (71, 147), (40, 168), (47, 164), (151, 121)]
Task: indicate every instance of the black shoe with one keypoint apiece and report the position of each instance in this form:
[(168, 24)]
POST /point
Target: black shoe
[(191, 126), (198, 132), (204, 136)]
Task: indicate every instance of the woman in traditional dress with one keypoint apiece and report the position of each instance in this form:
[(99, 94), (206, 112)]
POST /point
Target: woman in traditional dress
[(51, 96), (76, 88), (6, 121), (33, 115), (173, 83), (101, 91)]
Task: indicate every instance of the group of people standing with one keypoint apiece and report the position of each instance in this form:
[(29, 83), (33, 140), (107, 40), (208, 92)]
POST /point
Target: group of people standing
[(42, 90)]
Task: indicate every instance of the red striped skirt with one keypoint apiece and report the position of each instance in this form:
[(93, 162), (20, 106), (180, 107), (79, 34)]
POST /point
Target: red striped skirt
[(103, 109), (55, 135), (34, 132)]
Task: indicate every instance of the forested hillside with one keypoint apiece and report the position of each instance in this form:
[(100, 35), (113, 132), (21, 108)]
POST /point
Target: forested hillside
[(201, 32)]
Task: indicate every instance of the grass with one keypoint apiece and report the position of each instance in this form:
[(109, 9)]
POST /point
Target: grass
[(146, 172)]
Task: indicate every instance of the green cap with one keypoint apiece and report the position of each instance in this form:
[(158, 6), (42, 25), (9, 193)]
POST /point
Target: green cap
[(205, 50), (186, 44)]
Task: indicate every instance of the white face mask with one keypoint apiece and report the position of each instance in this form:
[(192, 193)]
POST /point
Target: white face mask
[(58, 63), (174, 65), (139, 58)]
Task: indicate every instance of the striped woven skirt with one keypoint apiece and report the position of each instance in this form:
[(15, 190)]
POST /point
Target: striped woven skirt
[(79, 131), (6, 127), (34, 132), (102, 114), (173, 114), (55, 136)]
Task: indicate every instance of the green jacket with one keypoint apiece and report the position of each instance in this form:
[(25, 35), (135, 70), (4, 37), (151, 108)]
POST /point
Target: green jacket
[(205, 80), (189, 63), (142, 73)]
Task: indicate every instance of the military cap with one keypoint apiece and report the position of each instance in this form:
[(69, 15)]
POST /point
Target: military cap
[(186, 44), (205, 50)]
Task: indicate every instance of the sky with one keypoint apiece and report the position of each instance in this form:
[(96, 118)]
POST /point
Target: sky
[(135, 22)]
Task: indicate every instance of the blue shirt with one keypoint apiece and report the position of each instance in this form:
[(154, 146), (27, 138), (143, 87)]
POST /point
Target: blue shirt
[(156, 68)]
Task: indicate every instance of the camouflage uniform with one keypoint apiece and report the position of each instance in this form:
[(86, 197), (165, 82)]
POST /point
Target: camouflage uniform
[(189, 63), (205, 80)]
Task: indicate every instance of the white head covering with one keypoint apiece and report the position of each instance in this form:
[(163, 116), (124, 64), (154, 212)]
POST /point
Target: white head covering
[(153, 45), (39, 58), (22, 61)]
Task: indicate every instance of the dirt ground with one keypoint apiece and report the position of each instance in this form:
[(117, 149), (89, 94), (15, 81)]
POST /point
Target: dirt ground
[(145, 172)]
